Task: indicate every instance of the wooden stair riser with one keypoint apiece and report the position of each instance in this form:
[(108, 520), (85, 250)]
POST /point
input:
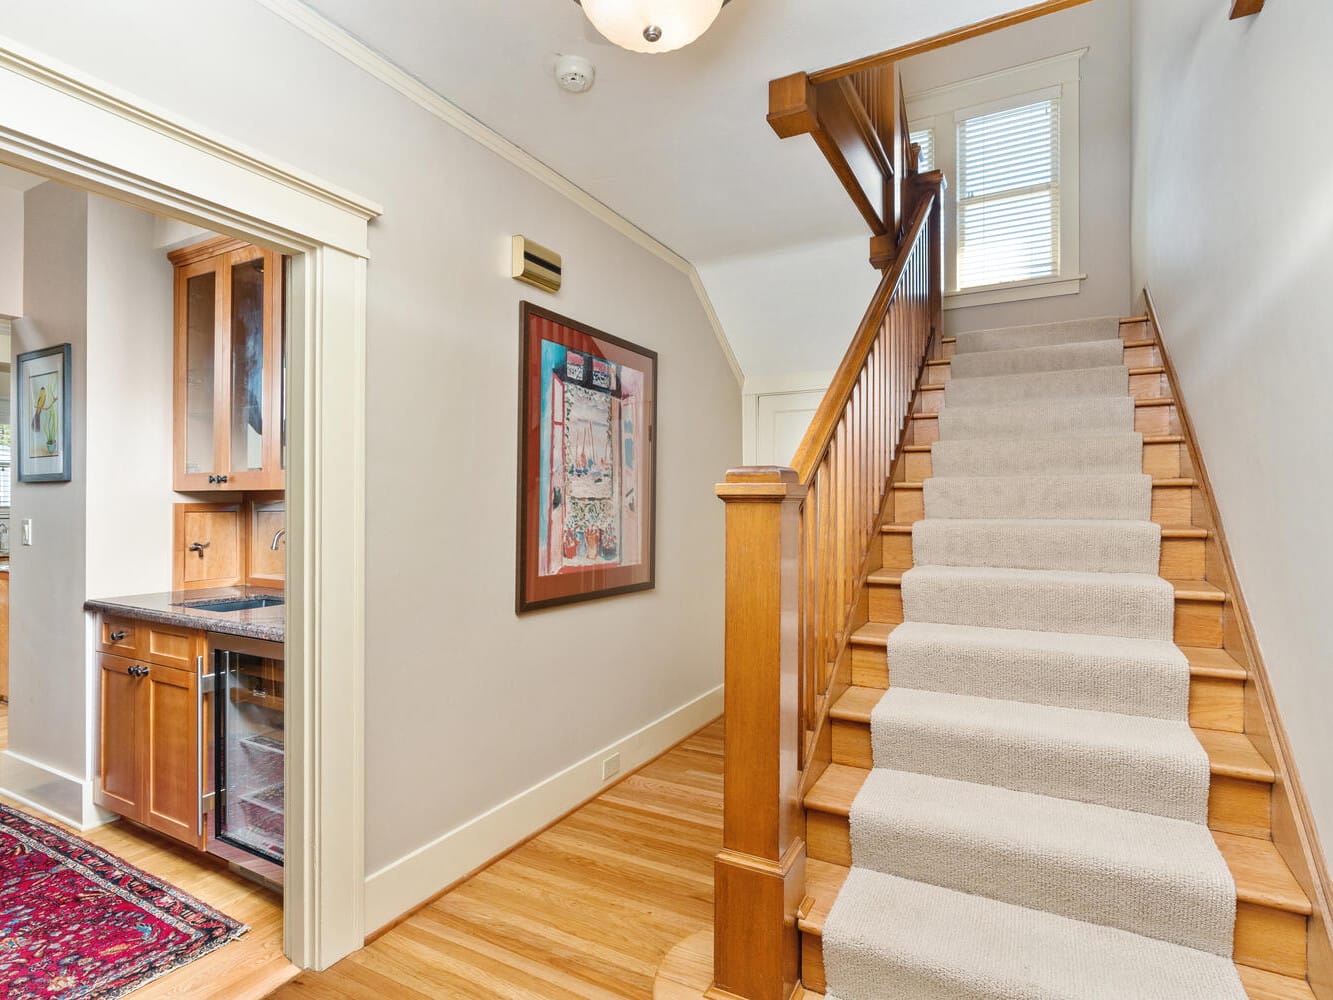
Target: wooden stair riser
[(1148, 383), (1198, 622), (1172, 502), (1215, 702), (1183, 558), (1138, 354), (1235, 805), (1266, 937), (1154, 421), (1161, 460)]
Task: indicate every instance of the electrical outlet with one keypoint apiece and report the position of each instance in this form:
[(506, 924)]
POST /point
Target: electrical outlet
[(27, 530), (611, 767)]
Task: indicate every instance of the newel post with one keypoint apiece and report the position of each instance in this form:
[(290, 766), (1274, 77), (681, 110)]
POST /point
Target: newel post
[(759, 876)]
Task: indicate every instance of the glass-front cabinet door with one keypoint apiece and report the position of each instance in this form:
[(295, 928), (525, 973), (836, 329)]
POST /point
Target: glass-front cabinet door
[(229, 367)]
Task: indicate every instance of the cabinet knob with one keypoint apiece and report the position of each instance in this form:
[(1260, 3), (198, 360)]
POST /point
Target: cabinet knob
[(212, 478), (117, 636), (222, 479)]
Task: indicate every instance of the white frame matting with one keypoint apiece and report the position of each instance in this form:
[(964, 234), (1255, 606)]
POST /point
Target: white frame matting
[(59, 123)]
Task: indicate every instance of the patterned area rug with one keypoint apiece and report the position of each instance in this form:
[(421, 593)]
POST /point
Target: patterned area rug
[(77, 923)]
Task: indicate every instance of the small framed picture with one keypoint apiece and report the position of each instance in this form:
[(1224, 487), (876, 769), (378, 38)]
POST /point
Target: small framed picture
[(587, 462), (42, 417)]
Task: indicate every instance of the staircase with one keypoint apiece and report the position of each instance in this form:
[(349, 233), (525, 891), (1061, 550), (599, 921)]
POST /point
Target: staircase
[(1056, 796)]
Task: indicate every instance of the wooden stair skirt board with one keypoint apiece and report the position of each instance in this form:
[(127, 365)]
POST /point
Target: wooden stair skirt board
[(1198, 607), (1272, 927)]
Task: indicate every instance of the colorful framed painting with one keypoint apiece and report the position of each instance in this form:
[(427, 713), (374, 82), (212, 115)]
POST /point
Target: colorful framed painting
[(42, 417), (587, 462)]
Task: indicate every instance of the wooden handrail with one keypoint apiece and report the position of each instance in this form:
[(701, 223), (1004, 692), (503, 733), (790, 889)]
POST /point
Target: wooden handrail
[(814, 446), (800, 544)]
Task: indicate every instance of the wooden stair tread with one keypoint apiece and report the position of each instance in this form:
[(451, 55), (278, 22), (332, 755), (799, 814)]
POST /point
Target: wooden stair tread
[(1230, 755), (823, 882), (893, 528), (1138, 401), (1262, 877), (909, 484), (1204, 661), (1261, 985), (1234, 755), (1187, 590)]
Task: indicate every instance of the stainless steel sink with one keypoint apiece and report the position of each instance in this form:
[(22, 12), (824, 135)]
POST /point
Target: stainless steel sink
[(235, 604)]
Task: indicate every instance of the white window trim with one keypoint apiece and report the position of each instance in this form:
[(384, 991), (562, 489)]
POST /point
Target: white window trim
[(941, 108)]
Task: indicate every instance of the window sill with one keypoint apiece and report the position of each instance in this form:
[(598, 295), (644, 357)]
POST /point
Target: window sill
[(1014, 291)]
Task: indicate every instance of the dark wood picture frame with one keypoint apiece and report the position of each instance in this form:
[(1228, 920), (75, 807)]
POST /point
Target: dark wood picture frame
[(595, 365), (22, 436)]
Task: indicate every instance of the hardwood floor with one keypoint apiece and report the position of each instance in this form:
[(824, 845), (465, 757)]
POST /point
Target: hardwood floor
[(584, 911), (245, 969)]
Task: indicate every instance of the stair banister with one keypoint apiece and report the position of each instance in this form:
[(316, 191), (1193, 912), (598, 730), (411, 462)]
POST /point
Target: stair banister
[(800, 542)]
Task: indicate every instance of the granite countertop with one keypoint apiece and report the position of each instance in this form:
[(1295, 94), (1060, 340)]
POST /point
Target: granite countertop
[(175, 609)]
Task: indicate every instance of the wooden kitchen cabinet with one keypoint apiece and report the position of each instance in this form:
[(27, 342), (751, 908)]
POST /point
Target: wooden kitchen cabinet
[(229, 387), (150, 766)]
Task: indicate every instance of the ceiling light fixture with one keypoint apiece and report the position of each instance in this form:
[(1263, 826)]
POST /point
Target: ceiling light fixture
[(651, 25)]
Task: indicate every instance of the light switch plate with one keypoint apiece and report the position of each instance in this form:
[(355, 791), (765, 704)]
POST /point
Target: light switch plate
[(27, 530)]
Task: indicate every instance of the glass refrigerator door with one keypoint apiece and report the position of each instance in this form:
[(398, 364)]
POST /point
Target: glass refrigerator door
[(250, 756)]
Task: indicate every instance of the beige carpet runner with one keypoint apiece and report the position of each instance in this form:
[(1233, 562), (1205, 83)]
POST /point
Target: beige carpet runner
[(1034, 827)]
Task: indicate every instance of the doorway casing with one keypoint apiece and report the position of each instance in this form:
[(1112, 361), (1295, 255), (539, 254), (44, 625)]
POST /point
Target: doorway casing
[(58, 123)]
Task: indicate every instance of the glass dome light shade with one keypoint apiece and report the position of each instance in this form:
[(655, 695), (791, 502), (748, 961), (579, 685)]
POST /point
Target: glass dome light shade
[(625, 22)]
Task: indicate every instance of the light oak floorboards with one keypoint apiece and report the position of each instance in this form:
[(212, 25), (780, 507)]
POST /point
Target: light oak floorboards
[(587, 910), (247, 968)]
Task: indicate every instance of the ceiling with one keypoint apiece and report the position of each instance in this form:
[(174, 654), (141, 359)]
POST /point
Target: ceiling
[(677, 143)]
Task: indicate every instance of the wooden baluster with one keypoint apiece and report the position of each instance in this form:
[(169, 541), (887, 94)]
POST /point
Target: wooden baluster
[(759, 876)]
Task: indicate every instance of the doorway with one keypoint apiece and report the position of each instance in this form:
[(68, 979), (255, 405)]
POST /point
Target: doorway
[(73, 130)]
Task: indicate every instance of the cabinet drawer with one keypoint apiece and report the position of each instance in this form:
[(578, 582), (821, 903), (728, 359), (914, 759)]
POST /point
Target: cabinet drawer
[(169, 646), (119, 636)]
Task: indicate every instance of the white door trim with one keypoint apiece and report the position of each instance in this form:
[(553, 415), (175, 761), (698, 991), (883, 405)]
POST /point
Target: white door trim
[(59, 123)]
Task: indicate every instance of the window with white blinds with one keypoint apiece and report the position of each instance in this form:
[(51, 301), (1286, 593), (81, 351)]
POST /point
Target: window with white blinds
[(1008, 144), (1008, 220), (925, 139)]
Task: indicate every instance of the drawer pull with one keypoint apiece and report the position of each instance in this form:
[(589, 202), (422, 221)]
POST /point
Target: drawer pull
[(138, 671), (117, 636), (199, 547)]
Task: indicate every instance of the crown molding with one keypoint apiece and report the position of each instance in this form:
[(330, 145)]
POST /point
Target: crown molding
[(335, 38), (66, 80)]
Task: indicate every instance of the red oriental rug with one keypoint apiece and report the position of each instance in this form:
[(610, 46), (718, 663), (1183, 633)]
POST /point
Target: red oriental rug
[(77, 923)]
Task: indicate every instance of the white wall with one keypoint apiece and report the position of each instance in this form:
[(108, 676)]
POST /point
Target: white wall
[(47, 659), (467, 706), (1233, 233), (11, 252), (130, 288), (1104, 149), (794, 310)]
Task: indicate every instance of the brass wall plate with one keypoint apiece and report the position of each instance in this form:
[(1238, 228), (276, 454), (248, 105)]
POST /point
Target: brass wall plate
[(536, 265)]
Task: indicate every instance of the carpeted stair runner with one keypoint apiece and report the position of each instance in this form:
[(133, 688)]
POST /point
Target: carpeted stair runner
[(1034, 827)]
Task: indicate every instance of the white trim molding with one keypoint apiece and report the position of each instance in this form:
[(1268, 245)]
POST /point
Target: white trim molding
[(405, 884), (942, 108), (45, 789), (324, 31), (59, 124)]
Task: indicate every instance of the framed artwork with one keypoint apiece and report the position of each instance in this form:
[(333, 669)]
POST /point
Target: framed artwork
[(42, 418), (587, 462)]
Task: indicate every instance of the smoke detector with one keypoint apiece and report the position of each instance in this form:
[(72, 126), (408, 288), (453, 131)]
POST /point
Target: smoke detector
[(575, 73)]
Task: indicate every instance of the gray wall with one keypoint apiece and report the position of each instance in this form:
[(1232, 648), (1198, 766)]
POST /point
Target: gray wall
[(1104, 149), (1233, 234), (466, 704)]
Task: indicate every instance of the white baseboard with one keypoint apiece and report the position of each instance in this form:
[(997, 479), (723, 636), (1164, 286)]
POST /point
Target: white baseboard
[(406, 883), (44, 789)]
